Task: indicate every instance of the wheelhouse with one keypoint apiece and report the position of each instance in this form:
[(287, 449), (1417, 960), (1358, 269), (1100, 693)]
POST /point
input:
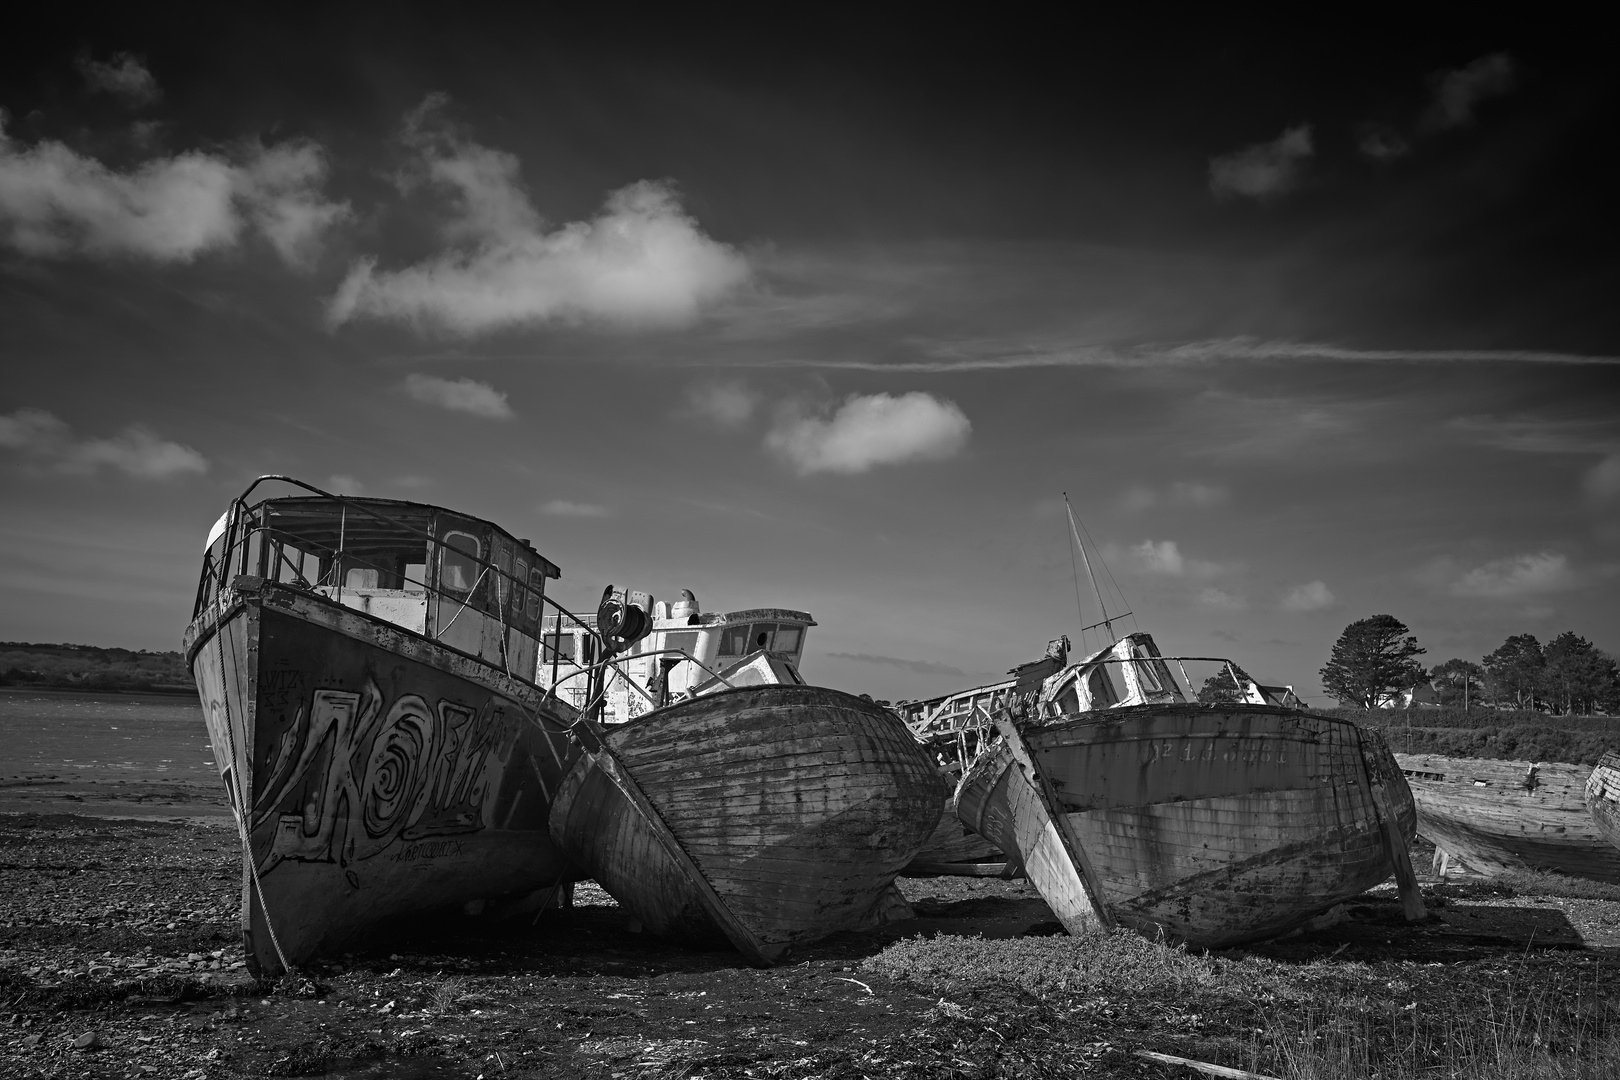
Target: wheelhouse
[(455, 579), (684, 649)]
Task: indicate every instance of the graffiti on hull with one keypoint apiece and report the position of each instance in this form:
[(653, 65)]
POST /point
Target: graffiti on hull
[(354, 773)]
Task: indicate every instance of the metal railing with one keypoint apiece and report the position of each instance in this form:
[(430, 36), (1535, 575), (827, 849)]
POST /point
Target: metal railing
[(250, 539)]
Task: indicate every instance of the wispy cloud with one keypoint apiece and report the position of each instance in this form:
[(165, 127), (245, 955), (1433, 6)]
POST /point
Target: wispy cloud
[(459, 395), (124, 75), (1311, 596), (920, 667), (728, 403), (1162, 558), (1539, 435), (1262, 171), (1222, 599), (1003, 355), (643, 261), (1382, 143), (56, 202), (1459, 92), (564, 508), (1515, 576), (1180, 494), (875, 429), (49, 442), (1602, 481), (344, 484)]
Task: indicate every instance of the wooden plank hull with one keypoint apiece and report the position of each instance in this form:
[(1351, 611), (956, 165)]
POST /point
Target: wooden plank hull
[(376, 775), (1603, 798), (1510, 815), (1210, 825), (797, 806), (953, 844)]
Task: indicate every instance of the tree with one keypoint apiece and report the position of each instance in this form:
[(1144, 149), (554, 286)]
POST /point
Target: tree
[(1372, 661), (1515, 671), (1459, 682), (1575, 677), (1222, 687)]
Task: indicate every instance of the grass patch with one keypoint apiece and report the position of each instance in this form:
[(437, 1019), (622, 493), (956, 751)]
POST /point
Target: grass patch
[(1538, 883), (1532, 1017)]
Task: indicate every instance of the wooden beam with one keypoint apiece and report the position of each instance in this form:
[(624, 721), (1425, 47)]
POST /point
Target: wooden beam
[(603, 758), (1085, 876), (1203, 1066), (1389, 822)]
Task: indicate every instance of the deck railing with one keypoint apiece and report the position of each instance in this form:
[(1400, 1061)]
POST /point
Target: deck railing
[(252, 548)]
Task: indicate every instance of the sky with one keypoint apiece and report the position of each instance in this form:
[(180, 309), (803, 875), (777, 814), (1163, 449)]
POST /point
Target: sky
[(1309, 325)]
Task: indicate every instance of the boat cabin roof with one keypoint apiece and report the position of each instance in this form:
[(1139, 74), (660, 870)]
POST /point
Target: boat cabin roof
[(372, 526)]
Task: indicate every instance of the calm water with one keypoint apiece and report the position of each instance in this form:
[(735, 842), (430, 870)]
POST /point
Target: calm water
[(103, 737)]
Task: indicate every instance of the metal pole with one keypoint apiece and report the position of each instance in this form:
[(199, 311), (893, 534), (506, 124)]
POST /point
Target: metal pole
[(1076, 531)]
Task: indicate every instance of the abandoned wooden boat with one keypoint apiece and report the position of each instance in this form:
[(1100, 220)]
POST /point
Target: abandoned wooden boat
[(1506, 815), (1211, 824), (682, 653), (1603, 797), (769, 816), (364, 667)]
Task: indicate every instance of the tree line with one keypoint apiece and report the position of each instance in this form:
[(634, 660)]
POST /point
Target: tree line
[(86, 667), (1374, 663)]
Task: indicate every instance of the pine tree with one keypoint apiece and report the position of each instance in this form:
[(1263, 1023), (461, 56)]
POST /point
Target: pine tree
[(1372, 661)]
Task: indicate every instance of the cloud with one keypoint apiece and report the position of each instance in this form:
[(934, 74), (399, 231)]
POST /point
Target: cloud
[(564, 508), (875, 429), (344, 484), (1162, 558), (1457, 93), (125, 76), (56, 202), (1181, 493), (641, 262), (1602, 481), (459, 395), (729, 404), (1382, 143), (1517, 575), (1262, 171), (1010, 355), (1220, 598), (137, 451), (920, 667), (1311, 596)]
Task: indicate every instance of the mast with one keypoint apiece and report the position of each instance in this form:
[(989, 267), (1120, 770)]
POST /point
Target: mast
[(1075, 529)]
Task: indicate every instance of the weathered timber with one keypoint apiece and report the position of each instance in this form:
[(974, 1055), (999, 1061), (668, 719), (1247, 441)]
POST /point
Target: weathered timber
[(1211, 824), (1603, 797), (1202, 1066), (1052, 852), (952, 849), (381, 757), (790, 856), (1510, 815), (1381, 776)]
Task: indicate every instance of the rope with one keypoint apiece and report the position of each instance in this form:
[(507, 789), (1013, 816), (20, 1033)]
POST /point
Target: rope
[(241, 804)]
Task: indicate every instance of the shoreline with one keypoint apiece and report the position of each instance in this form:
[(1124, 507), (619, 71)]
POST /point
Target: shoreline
[(172, 695)]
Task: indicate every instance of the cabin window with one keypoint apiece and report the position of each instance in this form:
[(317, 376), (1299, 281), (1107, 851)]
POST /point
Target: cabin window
[(503, 579), (787, 639), (1147, 673), (415, 577), (734, 641), (558, 645), (760, 635), (458, 562), (537, 589), (687, 642), (1068, 701), (360, 577), (1101, 687), (520, 595)]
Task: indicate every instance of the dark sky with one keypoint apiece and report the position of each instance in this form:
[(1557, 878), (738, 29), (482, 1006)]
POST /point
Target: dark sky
[(1312, 323)]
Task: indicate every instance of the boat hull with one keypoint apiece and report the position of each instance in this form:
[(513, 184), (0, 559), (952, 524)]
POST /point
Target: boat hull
[(1211, 826), (1495, 816), (768, 816), (1603, 798), (954, 850), (376, 776)]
